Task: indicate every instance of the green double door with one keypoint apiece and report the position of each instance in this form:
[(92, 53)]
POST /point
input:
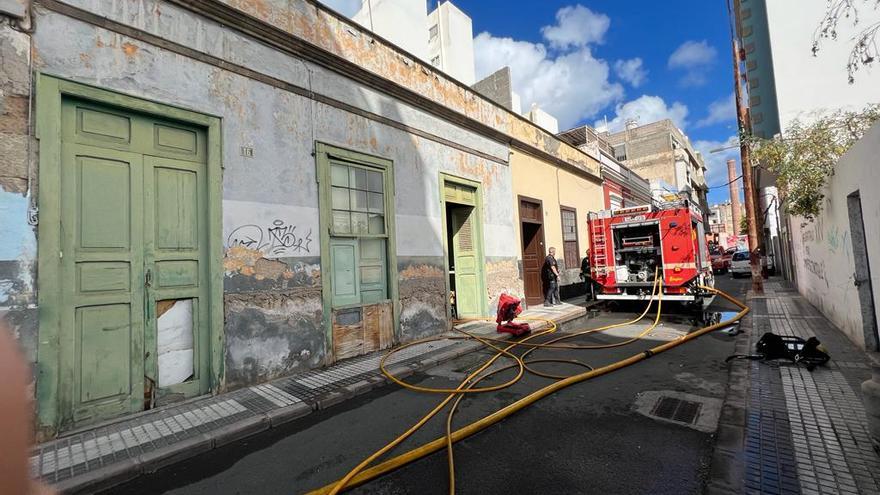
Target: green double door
[(134, 296)]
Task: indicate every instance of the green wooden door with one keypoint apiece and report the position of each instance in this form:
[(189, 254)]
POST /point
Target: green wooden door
[(134, 310), (175, 242), (467, 269), (102, 297)]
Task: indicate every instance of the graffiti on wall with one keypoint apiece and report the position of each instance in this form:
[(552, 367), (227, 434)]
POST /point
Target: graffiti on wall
[(276, 240), (816, 268), (835, 239)]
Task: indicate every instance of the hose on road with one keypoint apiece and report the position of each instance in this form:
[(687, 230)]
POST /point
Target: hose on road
[(362, 473)]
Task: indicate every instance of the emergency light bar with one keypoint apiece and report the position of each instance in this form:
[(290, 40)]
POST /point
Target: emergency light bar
[(631, 210)]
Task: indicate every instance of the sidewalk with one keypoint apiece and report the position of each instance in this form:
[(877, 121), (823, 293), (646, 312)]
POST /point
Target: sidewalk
[(106, 455), (784, 429)]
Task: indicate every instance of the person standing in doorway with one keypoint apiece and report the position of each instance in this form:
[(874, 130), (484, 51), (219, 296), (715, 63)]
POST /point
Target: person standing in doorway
[(585, 276), (551, 277)]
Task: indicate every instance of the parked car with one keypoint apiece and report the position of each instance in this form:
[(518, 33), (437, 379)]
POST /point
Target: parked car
[(739, 264)]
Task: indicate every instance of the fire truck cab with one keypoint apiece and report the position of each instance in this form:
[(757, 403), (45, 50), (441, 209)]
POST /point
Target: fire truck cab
[(628, 244)]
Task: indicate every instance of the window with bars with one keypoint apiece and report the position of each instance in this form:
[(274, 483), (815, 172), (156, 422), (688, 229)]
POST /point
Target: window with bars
[(571, 253), (358, 233)]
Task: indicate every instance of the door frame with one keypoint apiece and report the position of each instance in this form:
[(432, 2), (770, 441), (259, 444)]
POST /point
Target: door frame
[(519, 201), (323, 153), (862, 264), (49, 93), (478, 232)]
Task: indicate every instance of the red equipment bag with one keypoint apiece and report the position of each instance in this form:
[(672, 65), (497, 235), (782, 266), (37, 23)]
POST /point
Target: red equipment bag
[(508, 308)]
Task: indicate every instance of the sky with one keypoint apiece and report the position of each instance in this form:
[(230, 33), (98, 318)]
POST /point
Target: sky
[(589, 62)]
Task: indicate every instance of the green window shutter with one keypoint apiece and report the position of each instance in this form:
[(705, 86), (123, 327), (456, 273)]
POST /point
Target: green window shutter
[(345, 277), (372, 271)]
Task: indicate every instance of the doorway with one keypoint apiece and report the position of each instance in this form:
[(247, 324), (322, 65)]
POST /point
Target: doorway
[(128, 304), (531, 218), (862, 275), (464, 251)]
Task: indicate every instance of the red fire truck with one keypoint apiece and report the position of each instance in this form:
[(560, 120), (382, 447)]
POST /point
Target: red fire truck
[(628, 244)]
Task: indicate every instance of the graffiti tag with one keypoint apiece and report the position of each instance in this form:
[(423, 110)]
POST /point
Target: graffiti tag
[(835, 240), (276, 239), (817, 269)]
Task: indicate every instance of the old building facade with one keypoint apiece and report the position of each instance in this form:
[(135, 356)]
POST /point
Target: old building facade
[(208, 195), (661, 153)]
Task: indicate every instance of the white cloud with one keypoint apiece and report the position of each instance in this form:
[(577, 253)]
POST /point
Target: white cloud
[(723, 110), (716, 163), (645, 109), (571, 86), (694, 57), (345, 7), (692, 54), (576, 26), (631, 71)]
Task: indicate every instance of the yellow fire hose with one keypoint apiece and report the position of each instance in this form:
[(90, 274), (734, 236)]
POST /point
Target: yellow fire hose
[(362, 474)]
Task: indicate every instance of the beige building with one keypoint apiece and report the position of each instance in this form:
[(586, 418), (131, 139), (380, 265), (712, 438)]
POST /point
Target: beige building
[(552, 200), (663, 154)]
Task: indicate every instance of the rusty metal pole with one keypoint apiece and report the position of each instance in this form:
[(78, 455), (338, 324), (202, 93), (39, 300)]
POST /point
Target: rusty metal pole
[(748, 185)]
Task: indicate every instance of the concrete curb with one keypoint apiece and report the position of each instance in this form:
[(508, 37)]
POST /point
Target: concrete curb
[(727, 470)]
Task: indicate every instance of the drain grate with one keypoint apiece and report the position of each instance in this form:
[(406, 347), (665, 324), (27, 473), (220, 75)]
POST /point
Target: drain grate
[(682, 411)]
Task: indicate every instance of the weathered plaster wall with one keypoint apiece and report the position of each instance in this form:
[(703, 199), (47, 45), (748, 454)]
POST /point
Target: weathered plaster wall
[(270, 204), (18, 248), (423, 296), (822, 249), (308, 20), (556, 187), (659, 166)]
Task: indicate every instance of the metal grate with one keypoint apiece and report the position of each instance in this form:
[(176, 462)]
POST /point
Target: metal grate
[(682, 411)]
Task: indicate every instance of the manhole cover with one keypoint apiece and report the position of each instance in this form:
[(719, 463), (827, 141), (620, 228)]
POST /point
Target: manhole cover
[(682, 411)]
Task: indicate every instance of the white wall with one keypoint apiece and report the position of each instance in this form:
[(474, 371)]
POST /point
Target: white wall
[(543, 119), (822, 249), (805, 83), (454, 44), (398, 21)]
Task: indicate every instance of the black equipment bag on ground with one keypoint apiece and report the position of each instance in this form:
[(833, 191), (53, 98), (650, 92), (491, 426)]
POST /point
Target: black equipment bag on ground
[(770, 347)]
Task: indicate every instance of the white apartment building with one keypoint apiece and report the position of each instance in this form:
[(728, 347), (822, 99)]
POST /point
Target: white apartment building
[(444, 37), (451, 42)]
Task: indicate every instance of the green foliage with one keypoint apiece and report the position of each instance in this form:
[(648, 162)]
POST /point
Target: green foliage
[(805, 156), (743, 225)]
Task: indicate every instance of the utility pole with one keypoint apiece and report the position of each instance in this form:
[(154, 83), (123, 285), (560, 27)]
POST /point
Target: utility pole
[(748, 185)]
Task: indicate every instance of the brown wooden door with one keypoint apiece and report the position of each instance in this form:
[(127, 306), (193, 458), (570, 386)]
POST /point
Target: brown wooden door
[(531, 218)]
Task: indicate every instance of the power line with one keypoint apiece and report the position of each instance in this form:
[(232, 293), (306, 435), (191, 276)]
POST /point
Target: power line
[(738, 177)]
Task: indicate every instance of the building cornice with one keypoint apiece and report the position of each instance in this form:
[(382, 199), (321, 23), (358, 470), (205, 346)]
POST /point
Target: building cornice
[(531, 139)]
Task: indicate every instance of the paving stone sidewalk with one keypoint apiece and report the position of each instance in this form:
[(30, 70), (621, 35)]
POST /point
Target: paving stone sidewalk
[(786, 430), (98, 458)]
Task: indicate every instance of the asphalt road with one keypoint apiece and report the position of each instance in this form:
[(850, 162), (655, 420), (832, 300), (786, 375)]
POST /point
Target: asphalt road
[(588, 438)]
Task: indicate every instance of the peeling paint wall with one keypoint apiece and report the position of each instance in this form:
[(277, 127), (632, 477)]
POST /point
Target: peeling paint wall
[(423, 296), (310, 21), (272, 266), (825, 263), (18, 248), (274, 108)]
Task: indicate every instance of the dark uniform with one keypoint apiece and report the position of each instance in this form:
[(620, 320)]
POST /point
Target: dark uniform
[(551, 296), (585, 276)]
